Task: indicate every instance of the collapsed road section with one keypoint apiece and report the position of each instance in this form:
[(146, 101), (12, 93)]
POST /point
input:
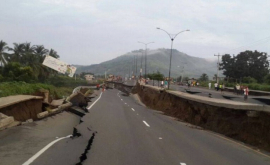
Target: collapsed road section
[(245, 122), (31, 142), (73, 150)]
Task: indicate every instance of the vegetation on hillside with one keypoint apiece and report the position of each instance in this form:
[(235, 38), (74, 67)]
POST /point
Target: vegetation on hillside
[(157, 60)]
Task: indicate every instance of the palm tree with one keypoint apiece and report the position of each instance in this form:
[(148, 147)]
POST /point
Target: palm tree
[(40, 54), (28, 56), (53, 53), (3, 48), (17, 54)]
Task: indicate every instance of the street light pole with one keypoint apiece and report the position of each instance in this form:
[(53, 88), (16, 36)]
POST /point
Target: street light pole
[(145, 55), (136, 57), (172, 37), (141, 66)]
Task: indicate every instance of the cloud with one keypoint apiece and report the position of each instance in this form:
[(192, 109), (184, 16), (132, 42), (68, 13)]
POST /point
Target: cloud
[(97, 30)]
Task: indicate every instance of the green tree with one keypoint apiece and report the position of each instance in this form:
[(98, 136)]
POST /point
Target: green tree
[(53, 53), (246, 64), (14, 71), (267, 79), (43, 72), (156, 76), (18, 51), (3, 49), (249, 80), (204, 77), (28, 54)]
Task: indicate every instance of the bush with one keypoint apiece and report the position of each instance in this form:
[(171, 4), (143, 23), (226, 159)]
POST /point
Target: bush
[(13, 71), (249, 80), (267, 79), (64, 81)]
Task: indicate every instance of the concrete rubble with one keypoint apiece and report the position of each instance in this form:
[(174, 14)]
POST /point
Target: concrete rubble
[(22, 109)]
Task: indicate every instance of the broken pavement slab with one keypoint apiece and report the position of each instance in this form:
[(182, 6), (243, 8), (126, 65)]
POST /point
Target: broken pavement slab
[(42, 114), (10, 100), (59, 109), (21, 107), (77, 110), (215, 102), (56, 103), (4, 122), (77, 99)]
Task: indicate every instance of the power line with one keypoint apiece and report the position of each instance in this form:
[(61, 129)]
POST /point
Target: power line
[(264, 40)]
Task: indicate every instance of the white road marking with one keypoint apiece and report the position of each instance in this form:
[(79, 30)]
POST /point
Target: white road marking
[(183, 164), (94, 102), (29, 161), (125, 103), (146, 124), (121, 99), (160, 138), (133, 109)]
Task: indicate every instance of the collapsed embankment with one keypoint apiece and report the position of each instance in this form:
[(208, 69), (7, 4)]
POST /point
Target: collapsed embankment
[(230, 122)]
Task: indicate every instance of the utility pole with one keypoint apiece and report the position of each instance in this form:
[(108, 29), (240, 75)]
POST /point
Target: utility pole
[(217, 79), (134, 64), (136, 56), (145, 62), (145, 56), (128, 72)]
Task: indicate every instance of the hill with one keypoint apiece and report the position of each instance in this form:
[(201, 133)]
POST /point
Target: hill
[(157, 60)]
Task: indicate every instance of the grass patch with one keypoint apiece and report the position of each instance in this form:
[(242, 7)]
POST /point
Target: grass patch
[(17, 88)]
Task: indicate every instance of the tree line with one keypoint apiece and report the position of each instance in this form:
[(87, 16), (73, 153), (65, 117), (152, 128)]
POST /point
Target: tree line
[(247, 65), (23, 62)]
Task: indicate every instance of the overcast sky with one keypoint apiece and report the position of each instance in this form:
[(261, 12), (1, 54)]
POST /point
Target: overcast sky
[(92, 31)]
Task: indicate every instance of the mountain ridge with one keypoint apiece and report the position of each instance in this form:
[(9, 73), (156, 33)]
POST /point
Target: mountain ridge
[(157, 60)]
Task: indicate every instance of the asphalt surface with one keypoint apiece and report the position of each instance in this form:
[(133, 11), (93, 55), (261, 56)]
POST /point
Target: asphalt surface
[(18, 144), (128, 133), (264, 100)]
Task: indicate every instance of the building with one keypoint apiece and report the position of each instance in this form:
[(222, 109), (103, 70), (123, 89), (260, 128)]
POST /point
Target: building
[(89, 77)]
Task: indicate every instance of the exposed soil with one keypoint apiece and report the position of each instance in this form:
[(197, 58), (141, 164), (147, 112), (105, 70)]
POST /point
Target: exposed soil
[(24, 110), (229, 122)]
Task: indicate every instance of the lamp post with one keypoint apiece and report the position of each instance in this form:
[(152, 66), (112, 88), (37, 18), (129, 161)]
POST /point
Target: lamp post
[(145, 55), (141, 67), (172, 37)]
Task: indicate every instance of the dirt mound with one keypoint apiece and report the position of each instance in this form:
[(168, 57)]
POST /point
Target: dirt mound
[(229, 122)]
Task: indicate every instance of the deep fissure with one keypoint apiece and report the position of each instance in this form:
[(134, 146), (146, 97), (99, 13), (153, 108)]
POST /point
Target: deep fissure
[(83, 157)]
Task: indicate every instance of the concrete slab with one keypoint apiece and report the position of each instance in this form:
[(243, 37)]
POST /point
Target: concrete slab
[(216, 102), (57, 102), (4, 122), (10, 100)]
